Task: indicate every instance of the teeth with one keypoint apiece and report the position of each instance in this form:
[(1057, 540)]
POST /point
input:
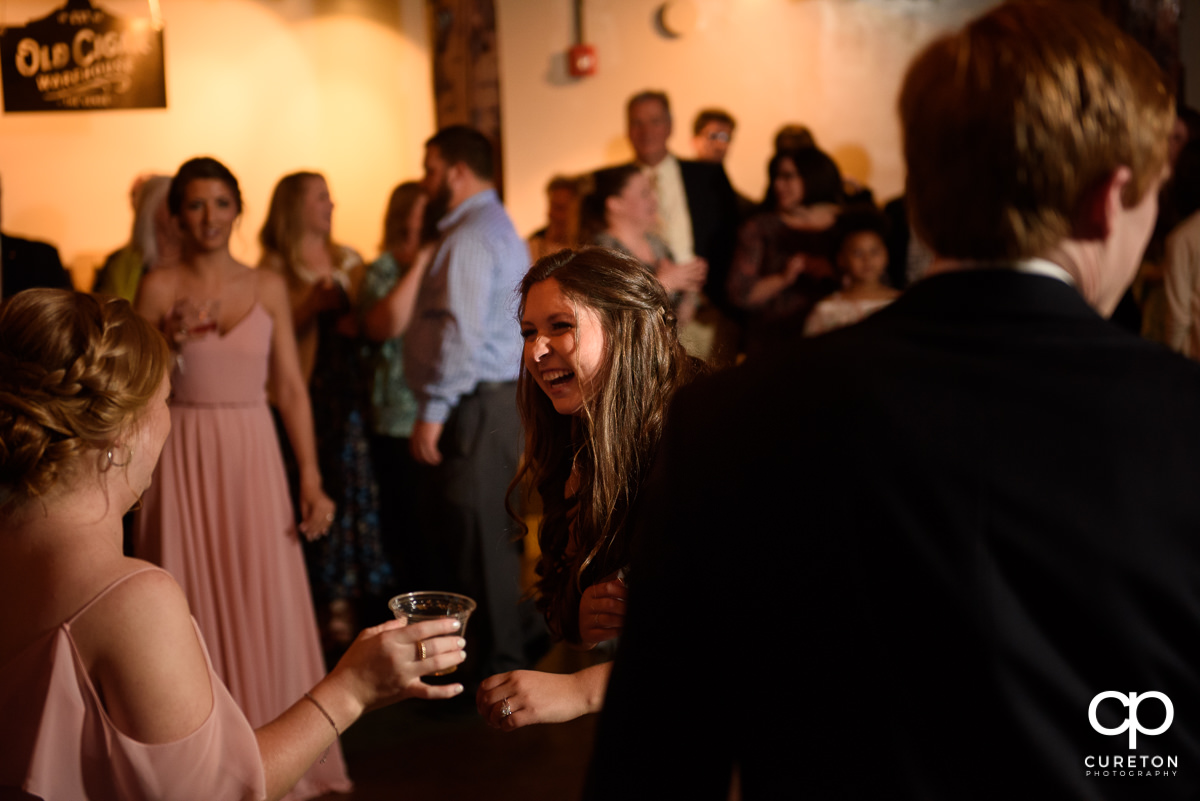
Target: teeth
[(554, 375)]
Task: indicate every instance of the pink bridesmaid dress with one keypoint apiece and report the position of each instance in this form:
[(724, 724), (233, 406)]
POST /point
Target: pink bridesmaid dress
[(219, 518), (60, 745)]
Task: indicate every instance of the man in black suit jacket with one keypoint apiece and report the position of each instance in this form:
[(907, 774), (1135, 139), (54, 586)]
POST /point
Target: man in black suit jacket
[(704, 224), (25, 264), (952, 552)]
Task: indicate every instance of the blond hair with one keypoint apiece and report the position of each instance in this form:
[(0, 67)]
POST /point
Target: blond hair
[(76, 371), (283, 229)]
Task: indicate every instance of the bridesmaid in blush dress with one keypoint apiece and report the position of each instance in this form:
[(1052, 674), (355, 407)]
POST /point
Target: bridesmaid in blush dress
[(218, 515), (106, 688)]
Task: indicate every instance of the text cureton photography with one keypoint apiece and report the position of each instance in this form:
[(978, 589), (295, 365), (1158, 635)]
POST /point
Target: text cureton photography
[(1130, 765)]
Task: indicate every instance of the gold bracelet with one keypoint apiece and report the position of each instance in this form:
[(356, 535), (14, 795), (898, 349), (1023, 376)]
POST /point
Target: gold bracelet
[(317, 704)]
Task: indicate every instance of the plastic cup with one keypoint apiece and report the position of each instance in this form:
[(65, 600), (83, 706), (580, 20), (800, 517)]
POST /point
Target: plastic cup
[(416, 607)]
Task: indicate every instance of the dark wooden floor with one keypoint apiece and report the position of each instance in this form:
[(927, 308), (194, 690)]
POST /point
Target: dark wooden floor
[(443, 751), (413, 752)]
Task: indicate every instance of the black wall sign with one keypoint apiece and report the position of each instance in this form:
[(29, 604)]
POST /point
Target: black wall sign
[(82, 58)]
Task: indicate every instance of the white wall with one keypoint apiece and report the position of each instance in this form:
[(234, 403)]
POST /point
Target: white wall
[(834, 65), (271, 86), (266, 87)]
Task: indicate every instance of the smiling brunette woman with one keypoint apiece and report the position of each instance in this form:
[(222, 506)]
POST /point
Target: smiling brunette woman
[(601, 362), (218, 515), (106, 690)]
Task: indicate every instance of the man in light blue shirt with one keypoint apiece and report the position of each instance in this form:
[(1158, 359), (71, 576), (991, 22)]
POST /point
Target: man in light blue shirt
[(462, 354)]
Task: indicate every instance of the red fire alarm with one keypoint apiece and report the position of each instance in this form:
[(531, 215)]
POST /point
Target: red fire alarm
[(581, 60)]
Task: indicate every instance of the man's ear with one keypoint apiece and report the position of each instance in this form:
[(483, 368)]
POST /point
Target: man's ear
[(1102, 205), (454, 173)]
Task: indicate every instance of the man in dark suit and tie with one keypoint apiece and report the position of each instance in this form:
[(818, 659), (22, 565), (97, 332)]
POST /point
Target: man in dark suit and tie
[(696, 202), (25, 264), (952, 552), (697, 205)]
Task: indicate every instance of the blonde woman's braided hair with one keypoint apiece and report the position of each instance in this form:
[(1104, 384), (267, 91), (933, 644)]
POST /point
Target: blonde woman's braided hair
[(76, 371)]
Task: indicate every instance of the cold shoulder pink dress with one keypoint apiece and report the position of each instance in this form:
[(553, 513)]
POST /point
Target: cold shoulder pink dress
[(218, 517), (59, 743)]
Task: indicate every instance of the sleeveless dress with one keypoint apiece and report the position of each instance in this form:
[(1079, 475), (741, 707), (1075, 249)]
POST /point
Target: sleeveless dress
[(218, 517), (60, 744), (349, 563)]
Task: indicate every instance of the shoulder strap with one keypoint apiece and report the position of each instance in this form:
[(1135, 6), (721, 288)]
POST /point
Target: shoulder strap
[(109, 589)]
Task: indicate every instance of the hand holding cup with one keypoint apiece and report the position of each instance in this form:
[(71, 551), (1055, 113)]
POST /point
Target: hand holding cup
[(385, 663), (417, 607)]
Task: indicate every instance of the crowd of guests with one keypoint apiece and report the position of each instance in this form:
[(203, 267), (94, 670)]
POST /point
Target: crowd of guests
[(299, 440)]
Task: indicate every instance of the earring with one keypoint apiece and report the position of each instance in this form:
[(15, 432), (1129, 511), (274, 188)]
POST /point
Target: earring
[(112, 462)]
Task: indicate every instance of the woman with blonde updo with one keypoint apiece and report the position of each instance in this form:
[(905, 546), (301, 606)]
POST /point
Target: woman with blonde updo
[(106, 690)]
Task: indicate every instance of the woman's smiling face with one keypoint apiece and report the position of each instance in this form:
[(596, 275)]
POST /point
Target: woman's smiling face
[(206, 218), (564, 345)]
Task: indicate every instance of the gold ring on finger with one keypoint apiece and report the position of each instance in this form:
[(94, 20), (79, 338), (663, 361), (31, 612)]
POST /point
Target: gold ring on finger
[(421, 652)]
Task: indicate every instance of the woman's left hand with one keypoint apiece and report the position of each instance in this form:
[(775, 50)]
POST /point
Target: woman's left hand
[(316, 510), (531, 697)]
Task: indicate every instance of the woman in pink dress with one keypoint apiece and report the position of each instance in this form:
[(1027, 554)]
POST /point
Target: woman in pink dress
[(106, 688), (218, 515)]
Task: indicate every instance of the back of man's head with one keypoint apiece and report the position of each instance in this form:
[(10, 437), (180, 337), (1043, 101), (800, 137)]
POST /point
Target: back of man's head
[(1010, 123), (462, 144)]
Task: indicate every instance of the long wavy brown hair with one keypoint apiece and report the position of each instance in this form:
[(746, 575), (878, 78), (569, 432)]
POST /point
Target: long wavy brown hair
[(611, 442)]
